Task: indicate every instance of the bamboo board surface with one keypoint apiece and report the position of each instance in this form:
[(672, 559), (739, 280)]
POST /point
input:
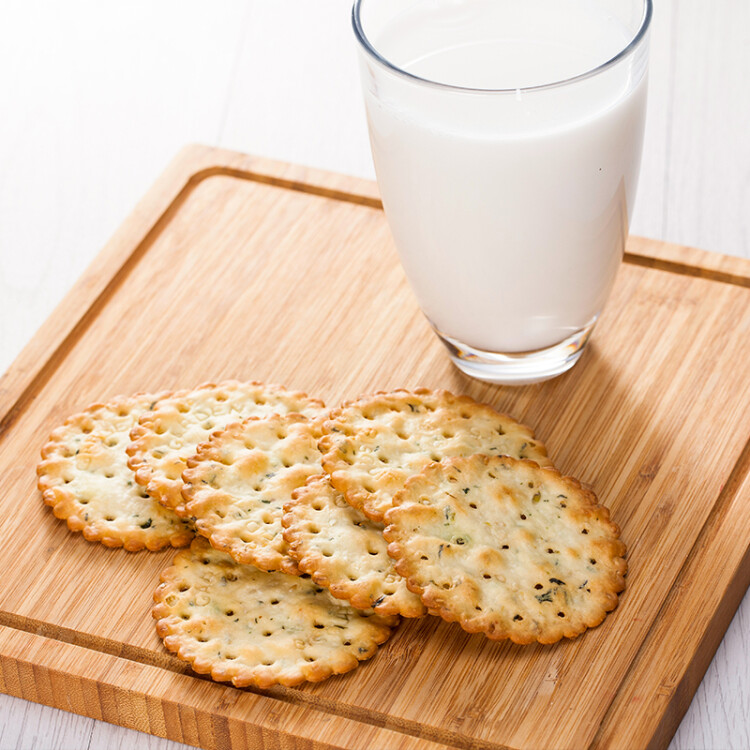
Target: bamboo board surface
[(234, 267)]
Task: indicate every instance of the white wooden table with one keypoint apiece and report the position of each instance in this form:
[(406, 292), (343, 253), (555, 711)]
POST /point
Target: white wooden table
[(96, 98)]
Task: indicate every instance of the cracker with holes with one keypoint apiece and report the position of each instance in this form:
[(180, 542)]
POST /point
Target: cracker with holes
[(243, 625), (166, 437), (371, 446), (507, 548), (345, 551), (237, 483), (85, 478)]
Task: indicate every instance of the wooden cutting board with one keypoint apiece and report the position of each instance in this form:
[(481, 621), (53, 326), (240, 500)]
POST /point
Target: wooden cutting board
[(235, 267)]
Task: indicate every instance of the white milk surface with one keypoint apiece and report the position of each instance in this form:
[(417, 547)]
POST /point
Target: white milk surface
[(509, 209)]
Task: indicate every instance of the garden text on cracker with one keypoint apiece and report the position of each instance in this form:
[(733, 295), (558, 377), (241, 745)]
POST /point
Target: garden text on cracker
[(250, 627), (85, 478), (371, 446), (166, 437), (344, 551), (507, 548), (237, 483)]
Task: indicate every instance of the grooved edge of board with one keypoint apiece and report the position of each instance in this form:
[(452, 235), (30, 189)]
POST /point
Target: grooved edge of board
[(40, 359)]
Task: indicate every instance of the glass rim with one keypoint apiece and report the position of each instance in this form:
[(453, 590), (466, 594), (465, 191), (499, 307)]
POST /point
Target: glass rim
[(359, 32)]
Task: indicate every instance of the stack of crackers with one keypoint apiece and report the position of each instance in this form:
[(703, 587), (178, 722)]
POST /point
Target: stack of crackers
[(311, 532)]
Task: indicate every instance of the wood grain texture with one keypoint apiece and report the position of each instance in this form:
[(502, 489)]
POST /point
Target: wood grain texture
[(98, 97), (239, 249), (86, 86), (184, 708)]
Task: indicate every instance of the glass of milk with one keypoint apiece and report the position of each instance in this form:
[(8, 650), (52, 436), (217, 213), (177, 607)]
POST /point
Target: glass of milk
[(506, 136)]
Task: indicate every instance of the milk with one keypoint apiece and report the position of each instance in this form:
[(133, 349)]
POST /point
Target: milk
[(509, 209)]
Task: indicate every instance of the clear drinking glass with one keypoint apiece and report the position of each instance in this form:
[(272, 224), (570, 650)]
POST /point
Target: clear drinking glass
[(506, 136)]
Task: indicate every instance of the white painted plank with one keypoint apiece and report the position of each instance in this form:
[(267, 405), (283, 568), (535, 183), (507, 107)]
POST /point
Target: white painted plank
[(31, 726), (97, 97), (648, 215), (110, 737), (296, 92), (709, 155), (718, 717)]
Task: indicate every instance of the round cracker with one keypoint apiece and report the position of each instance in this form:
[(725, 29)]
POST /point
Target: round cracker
[(84, 477), (371, 446), (507, 548), (243, 625), (166, 437), (345, 551), (237, 483)]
